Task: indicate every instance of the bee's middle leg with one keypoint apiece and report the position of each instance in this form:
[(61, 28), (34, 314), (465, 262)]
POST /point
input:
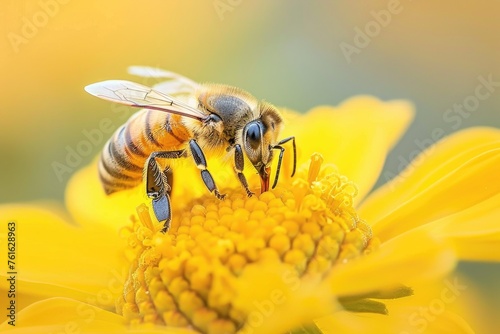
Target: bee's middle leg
[(201, 163), (158, 187)]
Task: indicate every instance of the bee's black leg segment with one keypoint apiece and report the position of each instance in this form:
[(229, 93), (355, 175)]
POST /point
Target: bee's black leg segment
[(198, 156), (210, 183), (170, 179), (161, 208), (201, 163), (239, 162), (280, 158), (158, 187), (286, 140)]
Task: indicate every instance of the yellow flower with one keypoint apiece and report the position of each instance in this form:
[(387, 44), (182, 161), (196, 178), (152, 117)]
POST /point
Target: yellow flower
[(319, 253)]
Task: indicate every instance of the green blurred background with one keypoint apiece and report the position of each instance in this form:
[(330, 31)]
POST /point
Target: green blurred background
[(293, 53)]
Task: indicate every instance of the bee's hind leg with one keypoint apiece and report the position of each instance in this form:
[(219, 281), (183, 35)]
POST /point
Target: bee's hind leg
[(158, 187), (161, 208)]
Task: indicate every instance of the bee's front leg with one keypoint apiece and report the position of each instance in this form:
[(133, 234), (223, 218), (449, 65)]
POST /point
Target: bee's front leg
[(157, 187), (201, 163), (239, 161), (280, 159)]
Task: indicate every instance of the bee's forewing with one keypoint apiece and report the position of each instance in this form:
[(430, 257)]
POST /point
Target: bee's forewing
[(137, 95)]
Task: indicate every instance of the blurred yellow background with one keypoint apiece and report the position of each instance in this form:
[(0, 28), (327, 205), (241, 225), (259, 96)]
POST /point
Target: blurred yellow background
[(292, 53)]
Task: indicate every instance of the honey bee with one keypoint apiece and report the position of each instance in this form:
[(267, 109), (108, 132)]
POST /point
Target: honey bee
[(212, 118)]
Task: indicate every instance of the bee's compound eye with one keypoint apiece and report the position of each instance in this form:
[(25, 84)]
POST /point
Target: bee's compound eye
[(253, 135)]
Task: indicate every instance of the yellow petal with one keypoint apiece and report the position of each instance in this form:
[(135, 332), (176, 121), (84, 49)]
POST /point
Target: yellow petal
[(355, 136), (90, 206), (475, 232), (63, 315), (465, 186), (454, 174), (447, 305), (54, 258), (407, 259), (22, 299), (405, 321)]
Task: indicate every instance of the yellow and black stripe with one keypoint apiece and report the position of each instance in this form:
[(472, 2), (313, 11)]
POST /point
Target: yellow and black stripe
[(124, 155)]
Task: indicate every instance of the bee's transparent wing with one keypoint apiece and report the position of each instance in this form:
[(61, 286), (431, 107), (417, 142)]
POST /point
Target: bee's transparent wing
[(137, 95), (154, 72), (173, 84)]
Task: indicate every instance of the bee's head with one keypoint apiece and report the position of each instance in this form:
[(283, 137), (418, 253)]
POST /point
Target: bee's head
[(259, 136)]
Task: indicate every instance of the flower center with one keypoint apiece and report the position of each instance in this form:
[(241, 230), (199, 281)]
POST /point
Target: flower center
[(187, 277)]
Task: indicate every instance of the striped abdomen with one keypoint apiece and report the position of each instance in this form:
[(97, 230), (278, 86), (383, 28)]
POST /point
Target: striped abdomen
[(123, 157)]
